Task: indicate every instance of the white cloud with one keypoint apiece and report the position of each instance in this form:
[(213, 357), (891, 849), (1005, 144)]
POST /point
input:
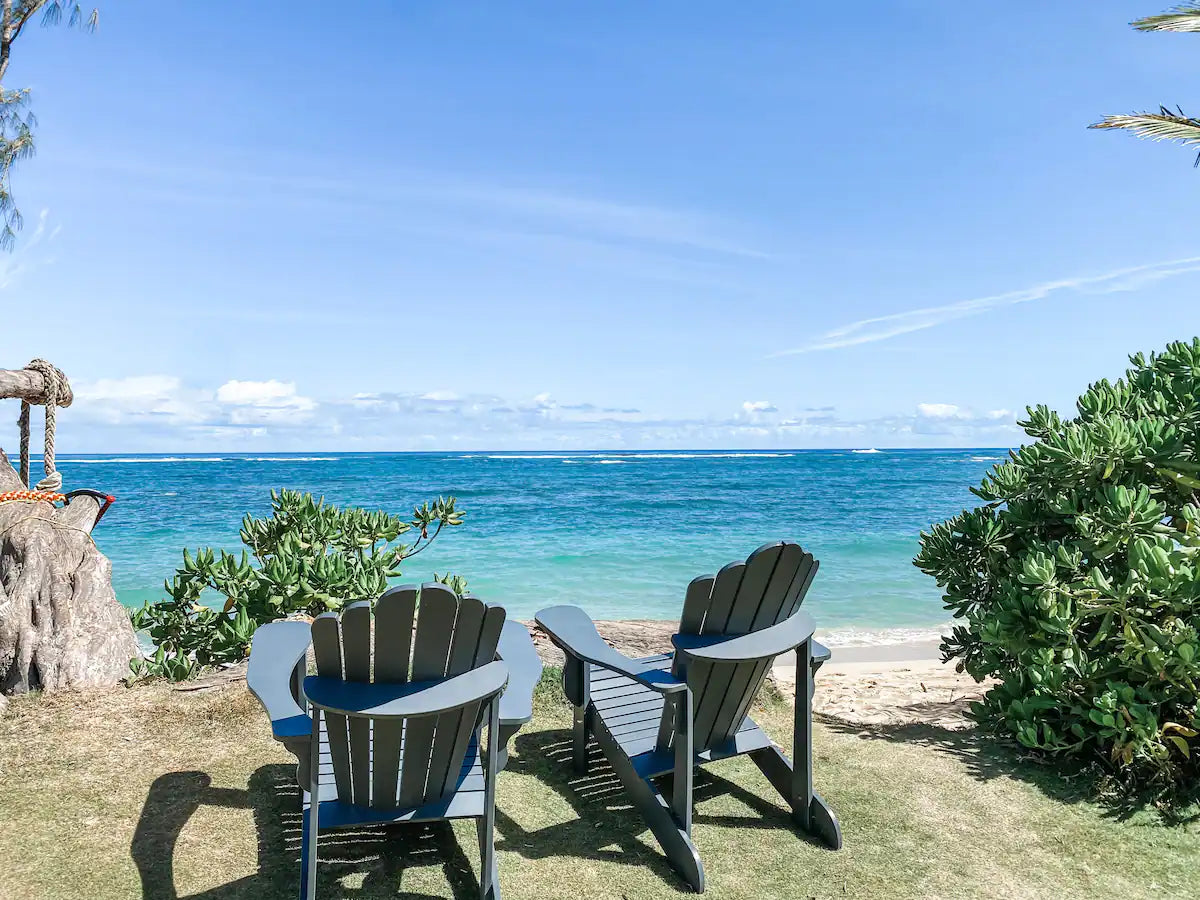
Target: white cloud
[(265, 403), (880, 328), (939, 411), (262, 393), (750, 407)]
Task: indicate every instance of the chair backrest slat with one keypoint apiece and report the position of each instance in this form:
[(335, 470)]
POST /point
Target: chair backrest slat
[(465, 641), (724, 592), (414, 772), (435, 629), (327, 645), (800, 586), (489, 635), (387, 738), (356, 641), (695, 604), (395, 613)]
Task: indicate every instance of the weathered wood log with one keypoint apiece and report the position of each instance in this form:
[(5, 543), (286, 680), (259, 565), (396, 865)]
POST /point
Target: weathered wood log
[(28, 385), (61, 626)]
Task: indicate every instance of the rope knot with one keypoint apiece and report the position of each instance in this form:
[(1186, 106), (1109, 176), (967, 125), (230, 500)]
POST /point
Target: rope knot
[(55, 386)]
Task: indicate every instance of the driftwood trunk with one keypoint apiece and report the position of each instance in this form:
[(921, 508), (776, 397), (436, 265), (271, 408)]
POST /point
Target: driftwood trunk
[(61, 626)]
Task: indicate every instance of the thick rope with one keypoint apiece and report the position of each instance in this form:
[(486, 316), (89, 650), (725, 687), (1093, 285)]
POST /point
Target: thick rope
[(55, 385)]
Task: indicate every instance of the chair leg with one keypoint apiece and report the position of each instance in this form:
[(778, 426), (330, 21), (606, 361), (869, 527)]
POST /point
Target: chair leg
[(817, 818), (489, 882), (794, 779), (579, 740), (683, 775), (312, 820), (489, 875), (802, 780), (577, 685), (657, 811)]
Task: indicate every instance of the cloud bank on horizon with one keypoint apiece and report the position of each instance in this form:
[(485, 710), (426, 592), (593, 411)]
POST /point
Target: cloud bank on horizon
[(163, 413)]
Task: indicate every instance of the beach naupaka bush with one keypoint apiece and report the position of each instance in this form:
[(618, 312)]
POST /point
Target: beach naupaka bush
[(307, 558), (1076, 582)]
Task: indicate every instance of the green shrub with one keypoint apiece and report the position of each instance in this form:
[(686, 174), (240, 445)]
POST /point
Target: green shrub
[(1076, 582), (309, 557)]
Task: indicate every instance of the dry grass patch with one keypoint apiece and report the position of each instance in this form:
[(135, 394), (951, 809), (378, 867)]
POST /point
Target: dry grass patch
[(153, 793)]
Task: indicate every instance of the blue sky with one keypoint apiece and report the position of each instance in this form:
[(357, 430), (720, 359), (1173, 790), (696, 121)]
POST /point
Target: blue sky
[(545, 225)]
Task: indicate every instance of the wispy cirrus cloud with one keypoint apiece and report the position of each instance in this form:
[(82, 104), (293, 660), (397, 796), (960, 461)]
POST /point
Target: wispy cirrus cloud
[(529, 213), (24, 258), (881, 328)]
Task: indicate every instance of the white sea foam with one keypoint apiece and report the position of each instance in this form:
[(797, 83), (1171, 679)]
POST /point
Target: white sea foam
[(869, 450), (290, 458), (702, 455), (609, 456), (879, 637), (534, 455), (147, 459), (199, 459), (986, 458)]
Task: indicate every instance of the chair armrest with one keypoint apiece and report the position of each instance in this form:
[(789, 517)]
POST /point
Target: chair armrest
[(572, 630), (769, 642), (820, 653), (524, 670), (408, 700), (275, 652)]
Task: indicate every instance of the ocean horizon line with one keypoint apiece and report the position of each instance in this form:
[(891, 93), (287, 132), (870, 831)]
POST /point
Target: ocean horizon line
[(625, 451)]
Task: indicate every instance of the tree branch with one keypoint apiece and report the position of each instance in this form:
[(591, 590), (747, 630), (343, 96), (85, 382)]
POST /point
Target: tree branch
[(28, 385)]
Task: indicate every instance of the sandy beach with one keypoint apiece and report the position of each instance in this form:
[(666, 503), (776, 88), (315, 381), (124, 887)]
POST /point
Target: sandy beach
[(898, 684), (878, 684)]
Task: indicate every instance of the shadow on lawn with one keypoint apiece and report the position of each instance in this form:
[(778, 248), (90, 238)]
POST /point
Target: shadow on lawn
[(607, 827), (985, 757), (381, 854)]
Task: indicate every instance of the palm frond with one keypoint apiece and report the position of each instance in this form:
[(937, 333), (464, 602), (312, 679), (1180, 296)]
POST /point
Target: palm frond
[(1185, 17), (1161, 126)]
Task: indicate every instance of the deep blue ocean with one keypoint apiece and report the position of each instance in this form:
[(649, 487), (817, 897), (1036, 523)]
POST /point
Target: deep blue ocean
[(619, 533)]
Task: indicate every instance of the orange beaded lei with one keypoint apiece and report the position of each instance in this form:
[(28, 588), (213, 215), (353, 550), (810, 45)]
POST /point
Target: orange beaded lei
[(47, 496)]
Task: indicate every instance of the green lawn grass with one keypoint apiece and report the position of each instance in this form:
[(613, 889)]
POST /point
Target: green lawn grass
[(154, 793)]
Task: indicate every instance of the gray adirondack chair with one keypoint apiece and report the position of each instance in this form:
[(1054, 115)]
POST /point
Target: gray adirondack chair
[(666, 714), (393, 732)]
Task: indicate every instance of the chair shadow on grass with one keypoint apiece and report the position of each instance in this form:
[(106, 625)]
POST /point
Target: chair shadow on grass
[(379, 856), (986, 757), (607, 827)]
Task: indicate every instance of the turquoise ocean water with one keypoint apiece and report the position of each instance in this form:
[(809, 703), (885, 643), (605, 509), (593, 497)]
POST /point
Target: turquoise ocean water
[(620, 533)]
